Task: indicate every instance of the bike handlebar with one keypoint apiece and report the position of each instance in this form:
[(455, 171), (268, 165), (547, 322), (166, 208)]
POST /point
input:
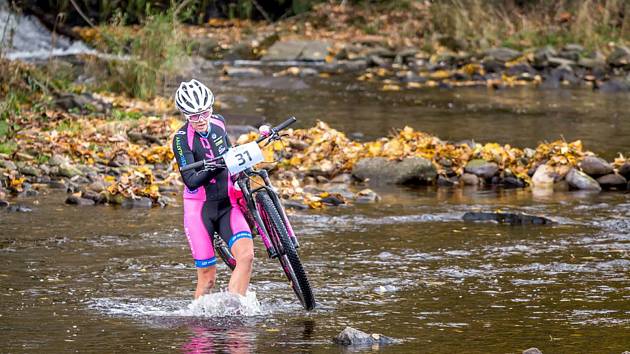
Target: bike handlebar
[(278, 128), (274, 131)]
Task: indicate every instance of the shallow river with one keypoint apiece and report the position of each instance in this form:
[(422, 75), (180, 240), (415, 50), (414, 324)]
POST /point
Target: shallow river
[(104, 279)]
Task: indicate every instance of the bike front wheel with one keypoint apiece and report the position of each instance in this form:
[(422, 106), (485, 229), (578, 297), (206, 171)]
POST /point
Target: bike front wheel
[(287, 253)]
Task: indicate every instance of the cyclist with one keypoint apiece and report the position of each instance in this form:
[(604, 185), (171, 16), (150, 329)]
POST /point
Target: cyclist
[(210, 199)]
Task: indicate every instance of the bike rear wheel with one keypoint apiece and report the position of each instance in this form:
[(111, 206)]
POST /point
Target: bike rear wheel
[(287, 253)]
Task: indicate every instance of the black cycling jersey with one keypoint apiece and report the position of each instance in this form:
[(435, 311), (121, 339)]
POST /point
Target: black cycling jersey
[(190, 146)]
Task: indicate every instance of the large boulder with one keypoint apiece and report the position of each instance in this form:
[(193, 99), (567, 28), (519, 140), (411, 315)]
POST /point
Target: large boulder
[(620, 57), (612, 181), (297, 50), (544, 177), (352, 336), (503, 54), (580, 180), (379, 170), (595, 166), (482, 168)]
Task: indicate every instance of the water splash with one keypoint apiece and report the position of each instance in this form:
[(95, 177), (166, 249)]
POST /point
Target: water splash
[(219, 304), (224, 304)]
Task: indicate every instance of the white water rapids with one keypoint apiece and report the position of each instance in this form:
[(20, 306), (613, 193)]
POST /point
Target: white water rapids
[(26, 38)]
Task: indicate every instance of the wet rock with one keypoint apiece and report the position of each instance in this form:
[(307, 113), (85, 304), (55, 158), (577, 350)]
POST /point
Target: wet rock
[(23, 156), (3, 203), (595, 166), (8, 164), (544, 177), (592, 63), (342, 178), (67, 170), (612, 181), (379, 170), (96, 186), (205, 47), (352, 336), (542, 55), (98, 198), (447, 181), (559, 62), (76, 200), (85, 103), (297, 50), (620, 57), (580, 180), (58, 160), (367, 196), (164, 201), (57, 184), (613, 86), (119, 160), (342, 190), (513, 182), (492, 65), (520, 69), (243, 72), (30, 171), (140, 202), (481, 168), (294, 204), (532, 350), (314, 51), (503, 54), (19, 209), (240, 51), (624, 170), (507, 218), (333, 200), (469, 179)]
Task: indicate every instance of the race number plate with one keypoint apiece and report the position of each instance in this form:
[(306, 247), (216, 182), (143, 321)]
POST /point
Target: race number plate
[(243, 156)]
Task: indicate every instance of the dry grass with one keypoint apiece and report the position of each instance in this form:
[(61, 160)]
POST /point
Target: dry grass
[(592, 23)]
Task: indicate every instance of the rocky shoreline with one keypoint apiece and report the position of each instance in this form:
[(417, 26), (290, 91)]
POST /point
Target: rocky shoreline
[(130, 163), (412, 68)]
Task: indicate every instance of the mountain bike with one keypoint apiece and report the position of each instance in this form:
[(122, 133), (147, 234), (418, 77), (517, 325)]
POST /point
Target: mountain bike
[(263, 211)]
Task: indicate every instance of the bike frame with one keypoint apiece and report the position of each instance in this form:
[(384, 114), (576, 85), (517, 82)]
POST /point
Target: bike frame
[(274, 249)]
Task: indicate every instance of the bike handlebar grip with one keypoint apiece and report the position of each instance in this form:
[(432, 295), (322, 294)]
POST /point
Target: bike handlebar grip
[(192, 165), (284, 124)]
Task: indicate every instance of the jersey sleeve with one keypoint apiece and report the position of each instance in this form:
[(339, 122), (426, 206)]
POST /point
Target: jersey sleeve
[(192, 179)]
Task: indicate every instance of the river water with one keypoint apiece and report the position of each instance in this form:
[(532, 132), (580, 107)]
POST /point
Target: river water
[(105, 279)]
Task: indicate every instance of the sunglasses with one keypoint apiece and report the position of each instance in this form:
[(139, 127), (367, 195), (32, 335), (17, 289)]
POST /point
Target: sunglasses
[(199, 116)]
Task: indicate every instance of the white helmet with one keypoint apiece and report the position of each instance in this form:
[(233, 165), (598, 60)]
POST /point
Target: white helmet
[(193, 97)]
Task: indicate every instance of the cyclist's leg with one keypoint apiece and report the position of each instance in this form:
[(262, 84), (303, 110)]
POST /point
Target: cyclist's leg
[(198, 233), (235, 232)]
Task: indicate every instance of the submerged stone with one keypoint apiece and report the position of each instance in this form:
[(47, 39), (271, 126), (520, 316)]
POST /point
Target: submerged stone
[(352, 336), (379, 170), (612, 181), (141, 202), (532, 350), (507, 218)]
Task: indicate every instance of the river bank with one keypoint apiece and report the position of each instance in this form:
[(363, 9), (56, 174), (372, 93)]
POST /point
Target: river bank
[(121, 155)]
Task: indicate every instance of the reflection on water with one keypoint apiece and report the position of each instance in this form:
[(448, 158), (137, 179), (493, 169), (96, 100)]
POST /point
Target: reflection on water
[(522, 117)]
